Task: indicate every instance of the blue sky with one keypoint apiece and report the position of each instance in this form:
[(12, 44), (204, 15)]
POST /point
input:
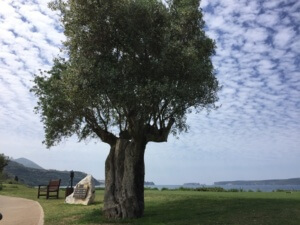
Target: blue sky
[(255, 134)]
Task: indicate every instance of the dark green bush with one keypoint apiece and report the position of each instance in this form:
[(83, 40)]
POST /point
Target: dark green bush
[(151, 188), (211, 189), (233, 190), (185, 189)]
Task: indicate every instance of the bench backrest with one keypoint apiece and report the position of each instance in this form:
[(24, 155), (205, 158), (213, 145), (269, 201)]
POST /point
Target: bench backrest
[(54, 184)]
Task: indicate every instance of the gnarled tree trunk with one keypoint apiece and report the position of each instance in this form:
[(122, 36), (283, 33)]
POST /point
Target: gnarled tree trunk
[(124, 180)]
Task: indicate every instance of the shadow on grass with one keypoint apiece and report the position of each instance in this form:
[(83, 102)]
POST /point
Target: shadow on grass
[(244, 211), (96, 216)]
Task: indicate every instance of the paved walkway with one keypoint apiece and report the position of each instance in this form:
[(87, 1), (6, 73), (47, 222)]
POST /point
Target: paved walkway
[(20, 211)]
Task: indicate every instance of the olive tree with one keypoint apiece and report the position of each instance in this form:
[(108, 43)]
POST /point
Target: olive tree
[(132, 70)]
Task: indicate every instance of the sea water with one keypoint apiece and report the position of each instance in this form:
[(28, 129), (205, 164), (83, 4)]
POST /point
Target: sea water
[(263, 188)]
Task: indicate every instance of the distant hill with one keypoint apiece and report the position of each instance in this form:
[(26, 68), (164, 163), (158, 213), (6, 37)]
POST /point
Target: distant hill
[(102, 182), (292, 181), (149, 183), (28, 163), (35, 177), (191, 184)]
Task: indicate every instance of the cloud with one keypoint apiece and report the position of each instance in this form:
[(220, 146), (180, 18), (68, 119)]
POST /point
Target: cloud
[(26, 28), (259, 98), (284, 36)]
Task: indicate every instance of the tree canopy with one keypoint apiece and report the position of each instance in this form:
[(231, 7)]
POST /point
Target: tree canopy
[(131, 69), (3, 162)]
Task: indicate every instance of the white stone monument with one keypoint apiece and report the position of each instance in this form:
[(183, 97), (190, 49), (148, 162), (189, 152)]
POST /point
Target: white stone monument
[(84, 192)]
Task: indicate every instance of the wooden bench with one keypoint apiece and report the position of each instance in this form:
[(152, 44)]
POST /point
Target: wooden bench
[(52, 187)]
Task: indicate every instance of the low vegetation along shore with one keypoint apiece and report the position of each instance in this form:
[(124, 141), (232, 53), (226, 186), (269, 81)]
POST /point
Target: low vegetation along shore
[(182, 206)]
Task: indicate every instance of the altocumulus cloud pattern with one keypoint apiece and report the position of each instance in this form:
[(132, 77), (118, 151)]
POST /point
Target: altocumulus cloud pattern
[(257, 62)]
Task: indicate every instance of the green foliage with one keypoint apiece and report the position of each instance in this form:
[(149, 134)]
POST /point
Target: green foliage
[(151, 188), (11, 181), (3, 162), (1, 185), (184, 189), (204, 189), (211, 189), (134, 69), (286, 191), (100, 188)]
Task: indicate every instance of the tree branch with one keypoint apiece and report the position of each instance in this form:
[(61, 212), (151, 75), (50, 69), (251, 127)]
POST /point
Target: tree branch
[(101, 118), (104, 135), (159, 135), (160, 113)]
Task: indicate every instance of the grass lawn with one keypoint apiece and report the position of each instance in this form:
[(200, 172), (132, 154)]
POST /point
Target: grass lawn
[(177, 207)]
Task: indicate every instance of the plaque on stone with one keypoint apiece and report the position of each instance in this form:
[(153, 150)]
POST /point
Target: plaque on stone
[(80, 191), (84, 192)]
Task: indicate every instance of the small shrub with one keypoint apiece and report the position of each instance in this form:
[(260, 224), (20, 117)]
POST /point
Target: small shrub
[(185, 189), (211, 189), (11, 181), (165, 189), (151, 188), (100, 188), (286, 191), (233, 190)]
